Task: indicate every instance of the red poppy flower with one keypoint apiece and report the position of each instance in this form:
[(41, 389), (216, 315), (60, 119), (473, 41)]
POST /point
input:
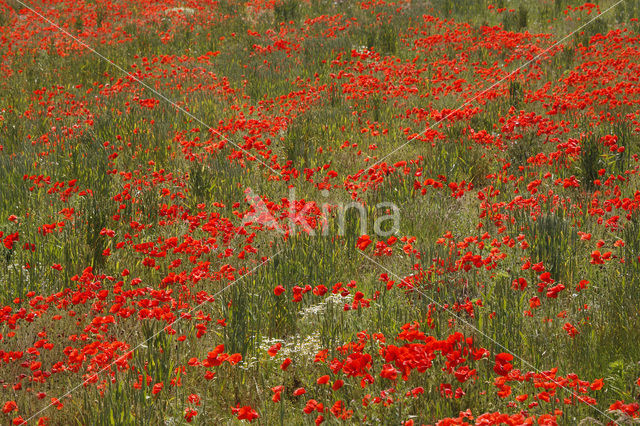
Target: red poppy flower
[(323, 380), (285, 364), (157, 388), (363, 242), (9, 406), (245, 413)]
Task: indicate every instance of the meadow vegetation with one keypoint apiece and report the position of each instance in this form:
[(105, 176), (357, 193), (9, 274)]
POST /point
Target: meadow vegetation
[(141, 284)]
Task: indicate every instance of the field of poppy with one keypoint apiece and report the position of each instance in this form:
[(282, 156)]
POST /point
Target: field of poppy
[(319, 212)]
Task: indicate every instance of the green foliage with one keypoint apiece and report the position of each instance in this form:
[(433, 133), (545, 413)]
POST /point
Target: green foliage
[(298, 143), (590, 160), (387, 39), (286, 10), (598, 26), (516, 21), (382, 38), (626, 139), (553, 239), (515, 93)]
